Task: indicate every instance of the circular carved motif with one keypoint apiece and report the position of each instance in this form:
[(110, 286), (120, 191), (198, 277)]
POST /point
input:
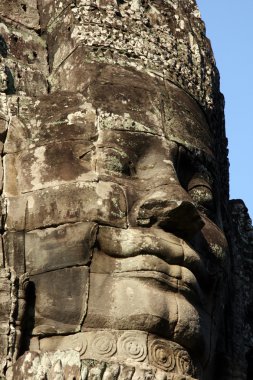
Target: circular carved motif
[(133, 346), (80, 343), (104, 344), (162, 355), (184, 364)]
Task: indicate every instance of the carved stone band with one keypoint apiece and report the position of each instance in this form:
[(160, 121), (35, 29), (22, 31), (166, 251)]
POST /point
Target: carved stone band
[(130, 347), (68, 365)]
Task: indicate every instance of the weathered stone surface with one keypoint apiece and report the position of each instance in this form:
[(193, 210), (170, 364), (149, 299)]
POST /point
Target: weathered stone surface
[(61, 300), (57, 117), (6, 301), (24, 46), (3, 351), (120, 250), (77, 342), (14, 251), (49, 249), (23, 52), (11, 313), (185, 122), (24, 12), (104, 25), (51, 10), (52, 165), (102, 202), (58, 365), (148, 353), (4, 117), (67, 364), (60, 247), (121, 290)]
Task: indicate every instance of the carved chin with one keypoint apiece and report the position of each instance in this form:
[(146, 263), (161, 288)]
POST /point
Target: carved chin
[(140, 301)]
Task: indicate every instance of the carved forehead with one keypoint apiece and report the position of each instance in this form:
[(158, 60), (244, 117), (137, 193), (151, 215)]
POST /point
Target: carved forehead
[(155, 105), (185, 122), (135, 102)]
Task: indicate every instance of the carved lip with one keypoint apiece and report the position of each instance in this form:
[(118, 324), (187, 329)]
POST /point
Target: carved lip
[(176, 278), (165, 247)]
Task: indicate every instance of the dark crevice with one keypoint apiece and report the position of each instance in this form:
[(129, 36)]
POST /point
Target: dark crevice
[(3, 248), (24, 7), (3, 47), (45, 145), (54, 225), (43, 36), (249, 359), (35, 273), (69, 55), (11, 90), (134, 132), (28, 322), (85, 154), (48, 66)]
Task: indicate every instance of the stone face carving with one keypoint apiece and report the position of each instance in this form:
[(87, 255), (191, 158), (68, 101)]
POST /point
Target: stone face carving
[(117, 251)]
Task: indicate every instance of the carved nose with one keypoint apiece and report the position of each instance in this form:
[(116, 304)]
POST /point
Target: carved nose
[(180, 217)]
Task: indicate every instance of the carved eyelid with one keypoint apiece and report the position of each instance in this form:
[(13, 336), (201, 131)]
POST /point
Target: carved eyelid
[(199, 182)]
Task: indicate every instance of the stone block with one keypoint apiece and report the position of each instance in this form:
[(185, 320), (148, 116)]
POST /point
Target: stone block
[(195, 328), (77, 342), (25, 79), (62, 37), (14, 251), (134, 301), (60, 247), (48, 249), (126, 95), (24, 12), (3, 352), (102, 202), (50, 10), (61, 300), (6, 301), (45, 166), (184, 121), (66, 76), (111, 121), (24, 46), (56, 117)]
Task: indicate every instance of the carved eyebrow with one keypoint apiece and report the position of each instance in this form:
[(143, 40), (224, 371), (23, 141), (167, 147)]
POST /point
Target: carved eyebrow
[(199, 182), (208, 160)]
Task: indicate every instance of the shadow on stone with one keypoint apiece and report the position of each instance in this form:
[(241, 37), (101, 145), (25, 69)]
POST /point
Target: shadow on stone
[(11, 90), (27, 324), (3, 47)]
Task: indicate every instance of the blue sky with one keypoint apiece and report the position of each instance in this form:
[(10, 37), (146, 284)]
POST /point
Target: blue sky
[(230, 28)]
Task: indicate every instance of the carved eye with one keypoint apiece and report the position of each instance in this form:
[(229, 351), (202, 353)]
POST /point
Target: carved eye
[(201, 191), (202, 196)]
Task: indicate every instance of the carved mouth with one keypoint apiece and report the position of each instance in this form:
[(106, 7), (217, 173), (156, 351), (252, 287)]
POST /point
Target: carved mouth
[(173, 277), (154, 250)]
